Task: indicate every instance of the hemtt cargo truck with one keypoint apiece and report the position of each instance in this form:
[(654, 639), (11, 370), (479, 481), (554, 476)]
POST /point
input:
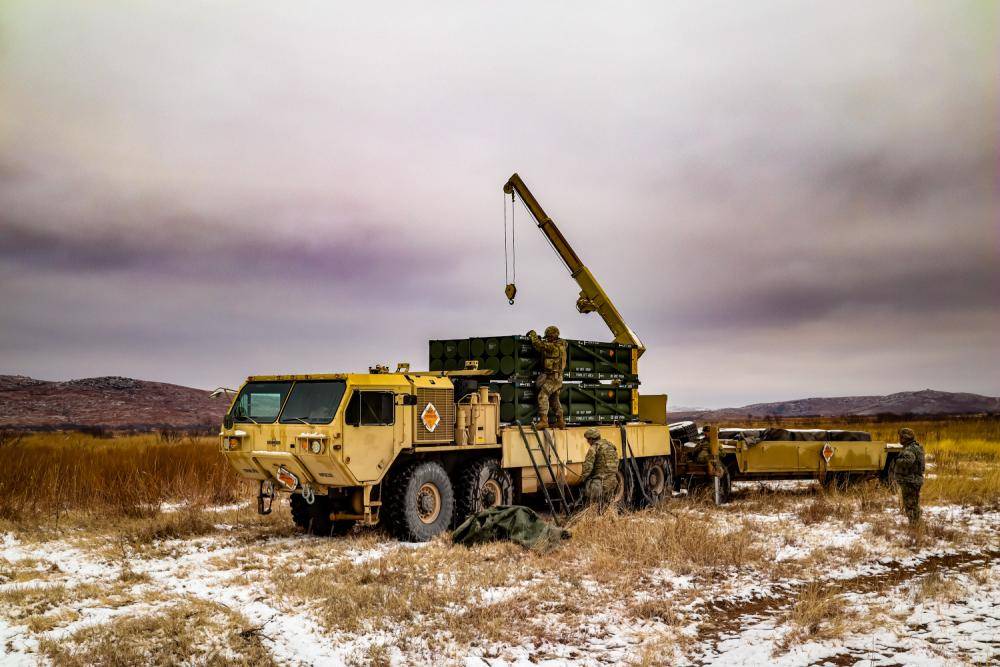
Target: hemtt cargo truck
[(419, 451), (408, 450)]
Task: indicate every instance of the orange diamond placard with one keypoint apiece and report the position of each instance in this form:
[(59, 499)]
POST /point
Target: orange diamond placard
[(430, 417), (827, 452)]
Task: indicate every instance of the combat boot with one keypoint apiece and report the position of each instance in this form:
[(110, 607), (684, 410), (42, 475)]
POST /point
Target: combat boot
[(560, 423), (542, 424)]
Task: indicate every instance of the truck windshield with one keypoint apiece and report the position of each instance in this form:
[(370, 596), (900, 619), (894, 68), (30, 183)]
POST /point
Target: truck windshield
[(313, 402), (260, 402)]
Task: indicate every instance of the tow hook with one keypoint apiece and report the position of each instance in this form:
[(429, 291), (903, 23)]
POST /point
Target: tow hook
[(266, 492), (308, 494)]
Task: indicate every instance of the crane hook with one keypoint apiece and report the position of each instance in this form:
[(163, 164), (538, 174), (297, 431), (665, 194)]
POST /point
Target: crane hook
[(510, 291)]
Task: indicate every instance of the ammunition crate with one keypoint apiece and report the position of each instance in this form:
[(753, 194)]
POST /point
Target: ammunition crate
[(514, 358), (583, 403)]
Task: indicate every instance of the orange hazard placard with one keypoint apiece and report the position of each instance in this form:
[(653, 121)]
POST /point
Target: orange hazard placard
[(430, 417), (827, 452)]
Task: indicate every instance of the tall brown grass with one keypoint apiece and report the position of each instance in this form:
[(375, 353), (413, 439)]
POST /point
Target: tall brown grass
[(45, 475)]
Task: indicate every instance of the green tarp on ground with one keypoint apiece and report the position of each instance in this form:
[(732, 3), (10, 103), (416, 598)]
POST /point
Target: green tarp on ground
[(512, 523)]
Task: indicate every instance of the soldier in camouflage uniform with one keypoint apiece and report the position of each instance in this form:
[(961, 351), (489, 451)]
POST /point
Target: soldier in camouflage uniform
[(600, 469), (549, 382), (909, 474)]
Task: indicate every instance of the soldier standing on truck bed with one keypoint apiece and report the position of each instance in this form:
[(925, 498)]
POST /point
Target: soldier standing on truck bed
[(549, 382), (909, 474), (600, 469)]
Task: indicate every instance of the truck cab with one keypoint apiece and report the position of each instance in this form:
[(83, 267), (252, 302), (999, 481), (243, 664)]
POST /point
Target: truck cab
[(330, 440)]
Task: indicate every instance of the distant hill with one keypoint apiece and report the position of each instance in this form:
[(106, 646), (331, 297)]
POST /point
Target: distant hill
[(925, 402), (119, 403), (116, 403)]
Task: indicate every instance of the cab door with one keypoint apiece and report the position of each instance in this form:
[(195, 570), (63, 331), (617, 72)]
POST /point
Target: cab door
[(369, 432)]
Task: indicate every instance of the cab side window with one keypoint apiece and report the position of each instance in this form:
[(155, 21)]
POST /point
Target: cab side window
[(370, 408)]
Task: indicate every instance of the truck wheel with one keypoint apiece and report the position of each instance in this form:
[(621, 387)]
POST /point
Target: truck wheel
[(657, 478), (624, 493), (301, 514), (482, 484), (421, 502), (315, 518)]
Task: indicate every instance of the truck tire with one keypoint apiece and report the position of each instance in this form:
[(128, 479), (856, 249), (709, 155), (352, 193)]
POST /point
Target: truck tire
[(624, 496), (421, 502), (657, 478), (301, 514), (686, 431), (315, 519), (482, 484)]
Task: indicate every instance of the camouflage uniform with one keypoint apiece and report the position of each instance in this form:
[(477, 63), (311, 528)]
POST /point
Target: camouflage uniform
[(909, 474), (600, 469), (549, 382)]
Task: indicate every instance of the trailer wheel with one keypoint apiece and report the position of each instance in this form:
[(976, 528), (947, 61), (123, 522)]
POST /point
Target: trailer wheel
[(421, 502), (888, 475), (726, 486), (315, 518), (657, 477), (481, 485)]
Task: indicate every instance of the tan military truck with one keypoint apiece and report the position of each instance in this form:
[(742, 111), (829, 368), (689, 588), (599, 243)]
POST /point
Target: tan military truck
[(406, 450), (419, 451), (832, 457)]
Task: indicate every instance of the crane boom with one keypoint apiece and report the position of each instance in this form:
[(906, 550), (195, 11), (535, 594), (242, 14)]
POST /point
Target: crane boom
[(592, 295)]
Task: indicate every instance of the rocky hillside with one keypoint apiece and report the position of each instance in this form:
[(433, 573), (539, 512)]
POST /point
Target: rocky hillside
[(925, 402), (105, 402)]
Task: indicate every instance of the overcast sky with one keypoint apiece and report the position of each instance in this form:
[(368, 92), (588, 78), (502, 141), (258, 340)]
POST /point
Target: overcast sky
[(784, 199)]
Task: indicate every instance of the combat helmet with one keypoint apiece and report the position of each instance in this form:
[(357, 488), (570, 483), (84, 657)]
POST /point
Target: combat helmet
[(552, 331), (906, 435), (592, 434)]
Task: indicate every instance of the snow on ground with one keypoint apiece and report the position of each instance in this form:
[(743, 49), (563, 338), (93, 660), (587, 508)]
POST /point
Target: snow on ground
[(733, 618), (928, 632)]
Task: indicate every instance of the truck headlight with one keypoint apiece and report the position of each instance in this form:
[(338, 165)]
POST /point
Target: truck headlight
[(316, 446), (233, 443)]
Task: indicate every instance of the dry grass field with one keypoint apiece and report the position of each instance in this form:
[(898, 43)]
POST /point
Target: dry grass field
[(46, 476), (134, 551)]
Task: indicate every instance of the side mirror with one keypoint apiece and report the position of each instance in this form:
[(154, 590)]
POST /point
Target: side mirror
[(409, 399), (227, 421)]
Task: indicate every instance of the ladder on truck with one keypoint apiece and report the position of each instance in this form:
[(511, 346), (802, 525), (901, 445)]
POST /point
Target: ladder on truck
[(632, 468), (541, 455)]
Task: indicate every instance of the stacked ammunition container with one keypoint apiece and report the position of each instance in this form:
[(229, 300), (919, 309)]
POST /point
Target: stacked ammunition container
[(599, 384)]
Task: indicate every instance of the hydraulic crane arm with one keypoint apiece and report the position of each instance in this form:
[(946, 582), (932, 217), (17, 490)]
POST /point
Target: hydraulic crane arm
[(592, 295)]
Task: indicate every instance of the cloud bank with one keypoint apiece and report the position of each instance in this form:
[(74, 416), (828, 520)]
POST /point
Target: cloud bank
[(783, 201)]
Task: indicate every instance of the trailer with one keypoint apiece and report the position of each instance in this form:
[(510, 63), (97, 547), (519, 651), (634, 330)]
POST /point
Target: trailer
[(835, 458)]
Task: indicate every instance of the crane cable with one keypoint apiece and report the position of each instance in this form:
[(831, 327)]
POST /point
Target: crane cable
[(509, 267)]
